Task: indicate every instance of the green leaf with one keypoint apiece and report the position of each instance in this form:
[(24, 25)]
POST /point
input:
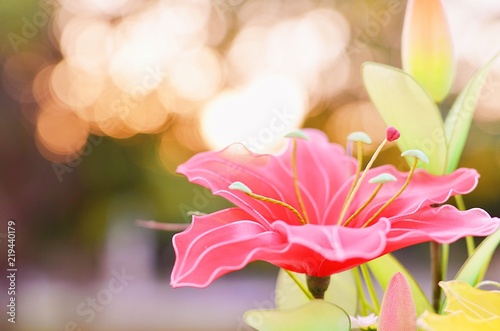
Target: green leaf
[(342, 291), (404, 104), (315, 315), (473, 269), (384, 269), (459, 119)]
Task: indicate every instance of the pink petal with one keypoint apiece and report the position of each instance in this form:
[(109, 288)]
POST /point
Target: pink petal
[(424, 189), (225, 241), (398, 310), (325, 250), (216, 244), (445, 224), (271, 176)]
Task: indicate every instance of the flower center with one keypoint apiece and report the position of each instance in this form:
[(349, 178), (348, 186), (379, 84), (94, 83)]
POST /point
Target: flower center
[(242, 187), (359, 138)]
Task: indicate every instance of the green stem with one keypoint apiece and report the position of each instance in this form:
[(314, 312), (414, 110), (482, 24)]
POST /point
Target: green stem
[(436, 274), (445, 254), (359, 288), (369, 286), (471, 246), (317, 286)]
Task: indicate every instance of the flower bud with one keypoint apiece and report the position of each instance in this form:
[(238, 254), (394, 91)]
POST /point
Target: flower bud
[(427, 48)]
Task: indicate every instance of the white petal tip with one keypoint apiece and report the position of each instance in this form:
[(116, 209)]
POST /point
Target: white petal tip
[(298, 134), (360, 136), (382, 178), (416, 153), (239, 186)]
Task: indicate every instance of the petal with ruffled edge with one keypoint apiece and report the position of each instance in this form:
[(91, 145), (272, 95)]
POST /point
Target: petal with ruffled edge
[(424, 189), (445, 225), (218, 243), (320, 250)]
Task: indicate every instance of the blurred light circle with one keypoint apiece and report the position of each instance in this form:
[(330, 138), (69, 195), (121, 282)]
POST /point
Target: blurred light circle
[(246, 55), (41, 84), (137, 65), (75, 88), (257, 116), (60, 131), (18, 73), (110, 108), (147, 116), (91, 49), (356, 116), (196, 75)]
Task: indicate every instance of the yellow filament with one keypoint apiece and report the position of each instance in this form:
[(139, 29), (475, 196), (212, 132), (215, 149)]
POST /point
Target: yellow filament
[(358, 169), (277, 202), (394, 197), (360, 209), (296, 183), (350, 197)]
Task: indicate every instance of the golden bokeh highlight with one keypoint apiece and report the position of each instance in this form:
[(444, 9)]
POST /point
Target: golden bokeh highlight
[(60, 132), (217, 71), (356, 116), (257, 116)]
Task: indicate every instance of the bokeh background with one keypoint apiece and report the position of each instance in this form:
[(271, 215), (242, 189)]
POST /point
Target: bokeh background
[(102, 100)]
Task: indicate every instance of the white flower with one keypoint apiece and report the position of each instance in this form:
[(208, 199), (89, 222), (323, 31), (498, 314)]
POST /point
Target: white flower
[(362, 322)]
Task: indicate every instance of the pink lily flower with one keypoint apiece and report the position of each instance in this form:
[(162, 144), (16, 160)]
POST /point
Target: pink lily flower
[(292, 211)]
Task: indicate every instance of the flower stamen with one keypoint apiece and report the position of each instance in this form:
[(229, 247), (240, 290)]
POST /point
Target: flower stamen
[(359, 138), (359, 180), (239, 186), (417, 156), (296, 181), (380, 179)]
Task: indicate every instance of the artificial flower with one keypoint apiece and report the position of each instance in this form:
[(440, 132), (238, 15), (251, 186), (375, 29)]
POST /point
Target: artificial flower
[(294, 211)]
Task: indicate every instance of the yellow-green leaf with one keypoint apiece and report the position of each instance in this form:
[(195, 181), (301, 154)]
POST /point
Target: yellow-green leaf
[(473, 269), (315, 315), (404, 104), (467, 308), (458, 120), (341, 291)]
